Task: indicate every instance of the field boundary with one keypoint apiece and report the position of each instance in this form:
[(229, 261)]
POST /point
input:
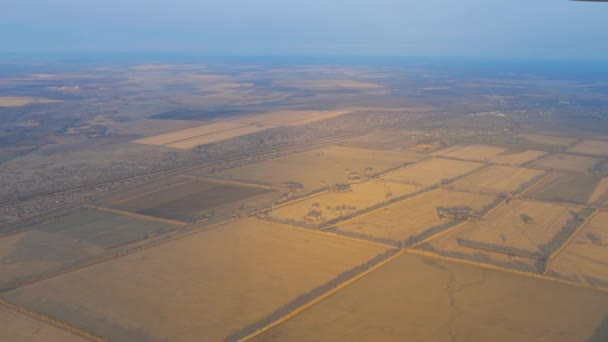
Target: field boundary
[(52, 321), (137, 216)]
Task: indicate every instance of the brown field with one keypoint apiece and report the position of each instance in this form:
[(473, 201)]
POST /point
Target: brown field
[(523, 228), (362, 197), (432, 172), (13, 101), (329, 84), (598, 195), (18, 327), (494, 154), (547, 140), (290, 118), (585, 258), (320, 168), (186, 134), (395, 141), (568, 188), (567, 162), (499, 179), (147, 127), (426, 147), (416, 218), (217, 136), (196, 199), (420, 299), (67, 241), (198, 288), (594, 147)]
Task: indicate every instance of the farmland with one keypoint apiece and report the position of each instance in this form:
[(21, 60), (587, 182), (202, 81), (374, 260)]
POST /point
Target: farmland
[(593, 147), (494, 154), (290, 118), (570, 188), (195, 199), (321, 168), (585, 258), (18, 327), (331, 206), (419, 299), (244, 271), (432, 172), (499, 179), (566, 162), (414, 219), (522, 228), (547, 140)]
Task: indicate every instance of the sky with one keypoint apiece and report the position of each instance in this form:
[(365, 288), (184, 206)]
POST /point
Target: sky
[(556, 29)]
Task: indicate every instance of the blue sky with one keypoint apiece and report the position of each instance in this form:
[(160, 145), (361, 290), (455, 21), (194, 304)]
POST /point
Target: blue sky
[(504, 28)]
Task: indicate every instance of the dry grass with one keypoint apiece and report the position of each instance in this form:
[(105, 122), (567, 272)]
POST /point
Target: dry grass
[(585, 259), (291, 118), (362, 197), (421, 299), (411, 218), (600, 193), (567, 162), (17, 327), (494, 154), (321, 167), (498, 179), (432, 172), (174, 137), (547, 139), (202, 287), (595, 147), (568, 188), (217, 136)]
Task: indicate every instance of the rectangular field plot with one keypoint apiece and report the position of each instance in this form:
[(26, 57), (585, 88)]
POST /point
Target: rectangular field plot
[(571, 188), (395, 141), (567, 162), (17, 327), (68, 241), (168, 138), (198, 288), (197, 200), (417, 218), (291, 118), (499, 179), (594, 147), (320, 168), (585, 258), (433, 172), (522, 228), (419, 299), (330, 207), (546, 140), (495, 154)]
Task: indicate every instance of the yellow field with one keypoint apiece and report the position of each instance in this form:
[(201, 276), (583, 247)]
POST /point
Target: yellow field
[(508, 229), (409, 219), (595, 147), (599, 193), (494, 154), (218, 136), (585, 258), (498, 179), (17, 327), (566, 162), (198, 288), (321, 167), (291, 118), (363, 196), (14, 101), (432, 172), (173, 137), (420, 299), (547, 139)]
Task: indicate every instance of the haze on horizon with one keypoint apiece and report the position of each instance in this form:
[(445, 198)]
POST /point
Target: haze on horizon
[(516, 28)]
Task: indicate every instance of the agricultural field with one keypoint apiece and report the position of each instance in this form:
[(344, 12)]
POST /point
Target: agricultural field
[(201, 287), (15, 101), (416, 218), (495, 154), (499, 179), (194, 199), (290, 118), (570, 188), (217, 136), (18, 327), (67, 241), (321, 167), (522, 228), (567, 162), (329, 207), (433, 172), (593, 147), (415, 299), (395, 141), (585, 258), (546, 140)]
